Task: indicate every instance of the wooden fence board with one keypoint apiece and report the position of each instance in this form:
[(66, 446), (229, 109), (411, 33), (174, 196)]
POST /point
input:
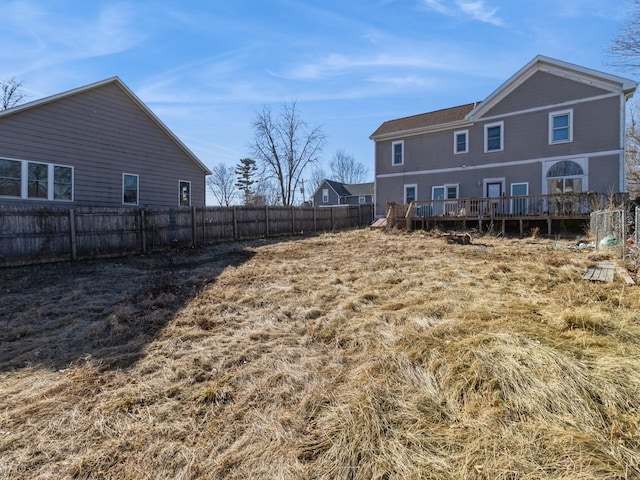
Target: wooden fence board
[(41, 234)]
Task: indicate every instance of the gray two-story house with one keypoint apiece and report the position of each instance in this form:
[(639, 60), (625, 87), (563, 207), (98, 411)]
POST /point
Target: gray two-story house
[(553, 127), (98, 145), (330, 193)]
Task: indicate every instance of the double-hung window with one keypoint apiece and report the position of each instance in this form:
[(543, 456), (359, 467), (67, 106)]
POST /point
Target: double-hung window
[(397, 152), (410, 193), (325, 195), (130, 189), (494, 137), (561, 127), (184, 193), (461, 141)]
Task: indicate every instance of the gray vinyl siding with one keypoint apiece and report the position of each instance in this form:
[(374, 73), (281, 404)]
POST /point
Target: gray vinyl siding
[(102, 133), (604, 173), (544, 88), (596, 128), (334, 199)]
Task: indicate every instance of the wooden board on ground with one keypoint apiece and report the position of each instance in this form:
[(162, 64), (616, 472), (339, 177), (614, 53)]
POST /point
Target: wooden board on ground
[(625, 275), (600, 272), (379, 223)]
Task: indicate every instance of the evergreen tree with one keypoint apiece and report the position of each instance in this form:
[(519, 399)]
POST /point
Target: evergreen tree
[(245, 172)]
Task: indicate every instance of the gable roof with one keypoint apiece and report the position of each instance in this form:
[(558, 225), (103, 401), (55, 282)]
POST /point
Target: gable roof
[(338, 187), (347, 190), (470, 112), (119, 83), (423, 121), (358, 189), (605, 81)]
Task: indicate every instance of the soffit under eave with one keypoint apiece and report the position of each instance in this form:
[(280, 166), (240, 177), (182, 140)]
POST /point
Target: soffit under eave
[(420, 131)]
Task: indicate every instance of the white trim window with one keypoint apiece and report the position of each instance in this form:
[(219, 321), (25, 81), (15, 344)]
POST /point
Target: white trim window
[(565, 176), (397, 153), (519, 206), (447, 195), (410, 193), (461, 141), (130, 189), (362, 199), (36, 180), (184, 193), (494, 137), (325, 195), (561, 127)]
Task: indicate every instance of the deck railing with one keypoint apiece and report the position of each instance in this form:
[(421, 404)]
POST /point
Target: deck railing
[(566, 205)]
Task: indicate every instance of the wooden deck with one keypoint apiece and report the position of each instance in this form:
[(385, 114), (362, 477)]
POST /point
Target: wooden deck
[(498, 213)]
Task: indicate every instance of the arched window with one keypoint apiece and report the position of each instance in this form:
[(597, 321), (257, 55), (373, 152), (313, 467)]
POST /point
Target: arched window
[(565, 177)]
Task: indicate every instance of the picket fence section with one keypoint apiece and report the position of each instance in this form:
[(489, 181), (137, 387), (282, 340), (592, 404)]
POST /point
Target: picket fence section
[(43, 234)]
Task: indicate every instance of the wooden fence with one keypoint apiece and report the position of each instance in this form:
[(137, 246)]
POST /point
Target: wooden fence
[(36, 234)]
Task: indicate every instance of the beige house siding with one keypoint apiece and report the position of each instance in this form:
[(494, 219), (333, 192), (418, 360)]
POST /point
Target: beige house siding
[(102, 133)]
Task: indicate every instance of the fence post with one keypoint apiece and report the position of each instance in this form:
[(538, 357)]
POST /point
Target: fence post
[(72, 232), (204, 225), (143, 232), (315, 221), (333, 227), (266, 221), (235, 223), (293, 221), (193, 226), (623, 231)]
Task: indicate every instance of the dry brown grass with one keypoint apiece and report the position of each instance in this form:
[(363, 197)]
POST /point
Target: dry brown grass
[(357, 355)]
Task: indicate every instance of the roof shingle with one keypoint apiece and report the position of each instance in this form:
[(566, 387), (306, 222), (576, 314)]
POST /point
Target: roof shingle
[(424, 120)]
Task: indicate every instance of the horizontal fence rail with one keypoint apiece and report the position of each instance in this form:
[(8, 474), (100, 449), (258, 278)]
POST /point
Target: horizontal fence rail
[(44, 234), (557, 205)]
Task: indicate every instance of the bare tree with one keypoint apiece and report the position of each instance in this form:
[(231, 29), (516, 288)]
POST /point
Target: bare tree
[(286, 147), (633, 152), (345, 169), (11, 92), (625, 50), (624, 53), (317, 177), (222, 184)]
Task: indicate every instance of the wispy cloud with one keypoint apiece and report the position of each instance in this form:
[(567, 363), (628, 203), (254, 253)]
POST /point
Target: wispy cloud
[(40, 37), (479, 11), (475, 9)]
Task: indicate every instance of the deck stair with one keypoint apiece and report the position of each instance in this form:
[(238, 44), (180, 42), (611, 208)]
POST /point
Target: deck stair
[(379, 224)]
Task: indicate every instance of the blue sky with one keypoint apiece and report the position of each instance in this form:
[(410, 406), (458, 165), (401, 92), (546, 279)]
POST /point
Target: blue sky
[(205, 67)]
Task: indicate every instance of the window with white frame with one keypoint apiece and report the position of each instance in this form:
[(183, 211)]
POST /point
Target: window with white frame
[(130, 189), (461, 141), (10, 178), (362, 199), (519, 206), (442, 192), (35, 180), (494, 137), (410, 193), (561, 127), (397, 152), (184, 193), (325, 195), (447, 194), (566, 176)]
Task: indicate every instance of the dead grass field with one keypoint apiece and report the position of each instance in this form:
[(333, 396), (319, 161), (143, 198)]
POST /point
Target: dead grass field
[(358, 355)]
